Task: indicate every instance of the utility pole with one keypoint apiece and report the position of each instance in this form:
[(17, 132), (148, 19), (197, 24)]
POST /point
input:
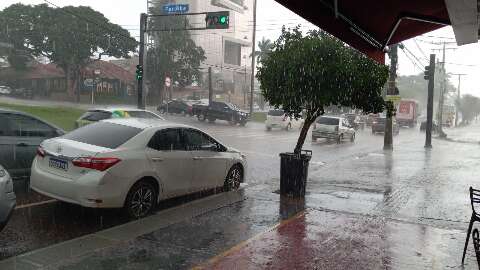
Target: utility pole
[(388, 134), (141, 52), (430, 76), (458, 96), (443, 90), (252, 82), (210, 87)]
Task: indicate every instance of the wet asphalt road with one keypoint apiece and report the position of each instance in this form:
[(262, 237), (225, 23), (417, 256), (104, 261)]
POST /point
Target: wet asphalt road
[(37, 226)]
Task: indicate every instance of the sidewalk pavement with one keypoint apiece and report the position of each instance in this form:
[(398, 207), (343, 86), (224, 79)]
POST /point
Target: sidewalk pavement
[(406, 209), (467, 134)]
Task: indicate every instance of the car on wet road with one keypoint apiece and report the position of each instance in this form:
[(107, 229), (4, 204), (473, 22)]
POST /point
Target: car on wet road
[(221, 111), (20, 135), (333, 128), (7, 197), (133, 163), (278, 119), (176, 106), (378, 126), (95, 115)]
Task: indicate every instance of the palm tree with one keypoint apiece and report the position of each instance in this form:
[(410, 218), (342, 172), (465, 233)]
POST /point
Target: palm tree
[(265, 46)]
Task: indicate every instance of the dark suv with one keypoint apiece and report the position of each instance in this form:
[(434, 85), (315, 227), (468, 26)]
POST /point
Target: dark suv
[(222, 111), (378, 126)]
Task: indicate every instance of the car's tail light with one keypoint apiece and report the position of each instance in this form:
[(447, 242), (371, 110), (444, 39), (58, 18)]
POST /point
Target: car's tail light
[(95, 163), (40, 151)]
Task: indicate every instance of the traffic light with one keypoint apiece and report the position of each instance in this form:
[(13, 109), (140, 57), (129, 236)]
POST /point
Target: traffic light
[(217, 20), (139, 72), (428, 73)]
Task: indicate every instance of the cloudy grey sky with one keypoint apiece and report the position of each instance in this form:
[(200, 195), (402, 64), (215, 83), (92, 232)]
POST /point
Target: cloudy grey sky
[(271, 16)]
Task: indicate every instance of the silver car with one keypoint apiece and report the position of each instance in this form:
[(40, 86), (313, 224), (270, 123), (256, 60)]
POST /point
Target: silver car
[(7, 197)]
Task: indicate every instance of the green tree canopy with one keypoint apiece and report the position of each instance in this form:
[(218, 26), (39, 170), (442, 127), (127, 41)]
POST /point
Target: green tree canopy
[(174, 54), (308, 73), (69, 37)]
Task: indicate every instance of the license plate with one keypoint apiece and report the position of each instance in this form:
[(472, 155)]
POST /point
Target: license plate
[(58, 164)]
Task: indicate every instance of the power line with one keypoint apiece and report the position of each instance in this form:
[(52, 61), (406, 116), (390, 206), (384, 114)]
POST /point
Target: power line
[(420, 49)]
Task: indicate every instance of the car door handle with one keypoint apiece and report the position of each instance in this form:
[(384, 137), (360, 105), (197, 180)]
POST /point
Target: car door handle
[(22, 144), (197, 158), (157, 159)]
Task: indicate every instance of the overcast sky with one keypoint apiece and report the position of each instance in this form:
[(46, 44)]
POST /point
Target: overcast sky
[(271, 16)]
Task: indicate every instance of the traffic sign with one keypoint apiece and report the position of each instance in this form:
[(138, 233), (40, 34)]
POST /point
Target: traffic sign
[(393, 98), (178, 8), (88, 82)]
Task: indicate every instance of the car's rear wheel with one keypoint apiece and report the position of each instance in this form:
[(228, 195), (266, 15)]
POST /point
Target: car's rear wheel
[(183, 113), (234, 178), (339, 138), (202, 117), (288, 127), (232, 121), (269, 128), (141, 200), (352, 139), (162, 111), (211, 120)]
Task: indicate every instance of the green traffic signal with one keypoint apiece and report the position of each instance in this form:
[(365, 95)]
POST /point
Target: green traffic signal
[(139, 72), (223, 19), (217, 20)]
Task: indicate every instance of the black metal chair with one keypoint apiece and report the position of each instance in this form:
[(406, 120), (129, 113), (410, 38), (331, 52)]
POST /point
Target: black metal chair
[(474, 200), (476, 245)]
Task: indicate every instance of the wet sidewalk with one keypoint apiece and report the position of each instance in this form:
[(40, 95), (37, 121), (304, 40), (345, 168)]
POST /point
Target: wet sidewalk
[(406, 209)]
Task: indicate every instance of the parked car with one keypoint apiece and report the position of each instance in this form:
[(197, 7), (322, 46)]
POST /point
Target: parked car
[(133, 163), (7, 197), (371, 118), (423, 126), (5, 90), (378, 126), (94, 115), (176, 106), (278, 119), (20, 136), (222, 111), (332, 127), (355, 121)]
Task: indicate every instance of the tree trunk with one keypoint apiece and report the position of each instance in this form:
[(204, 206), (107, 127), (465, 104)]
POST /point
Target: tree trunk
[(303, 134)]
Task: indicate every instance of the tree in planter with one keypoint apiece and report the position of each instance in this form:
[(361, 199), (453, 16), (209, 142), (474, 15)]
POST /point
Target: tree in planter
[(308, 73)]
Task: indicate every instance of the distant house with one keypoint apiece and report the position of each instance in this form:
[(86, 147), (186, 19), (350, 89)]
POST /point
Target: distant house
[(42, 79), (48, 80)]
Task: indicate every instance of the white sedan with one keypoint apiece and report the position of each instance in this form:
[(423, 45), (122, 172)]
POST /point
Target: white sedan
[(133, 163)]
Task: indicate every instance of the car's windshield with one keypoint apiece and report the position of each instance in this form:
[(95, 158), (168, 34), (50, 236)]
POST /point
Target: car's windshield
[(103, 134), (96, 115), (143, 114), (328, 121), (276, 112)]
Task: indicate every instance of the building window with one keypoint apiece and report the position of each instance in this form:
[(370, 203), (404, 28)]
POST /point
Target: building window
[(232, 54)]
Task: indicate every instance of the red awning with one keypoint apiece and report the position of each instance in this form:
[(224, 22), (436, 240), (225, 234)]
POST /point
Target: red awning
[(371, 25)]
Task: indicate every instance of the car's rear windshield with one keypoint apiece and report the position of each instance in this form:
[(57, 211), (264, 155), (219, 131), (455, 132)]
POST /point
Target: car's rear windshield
[(96, 115), (276, 112), (103, 134), (327, 121), (142, 114)]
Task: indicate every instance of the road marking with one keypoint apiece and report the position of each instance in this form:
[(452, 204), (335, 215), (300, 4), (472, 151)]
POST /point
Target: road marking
[(34, 204), (242, 244)]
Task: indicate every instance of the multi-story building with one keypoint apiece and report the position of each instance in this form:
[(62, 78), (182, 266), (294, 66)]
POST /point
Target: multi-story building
[(228, 51)]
